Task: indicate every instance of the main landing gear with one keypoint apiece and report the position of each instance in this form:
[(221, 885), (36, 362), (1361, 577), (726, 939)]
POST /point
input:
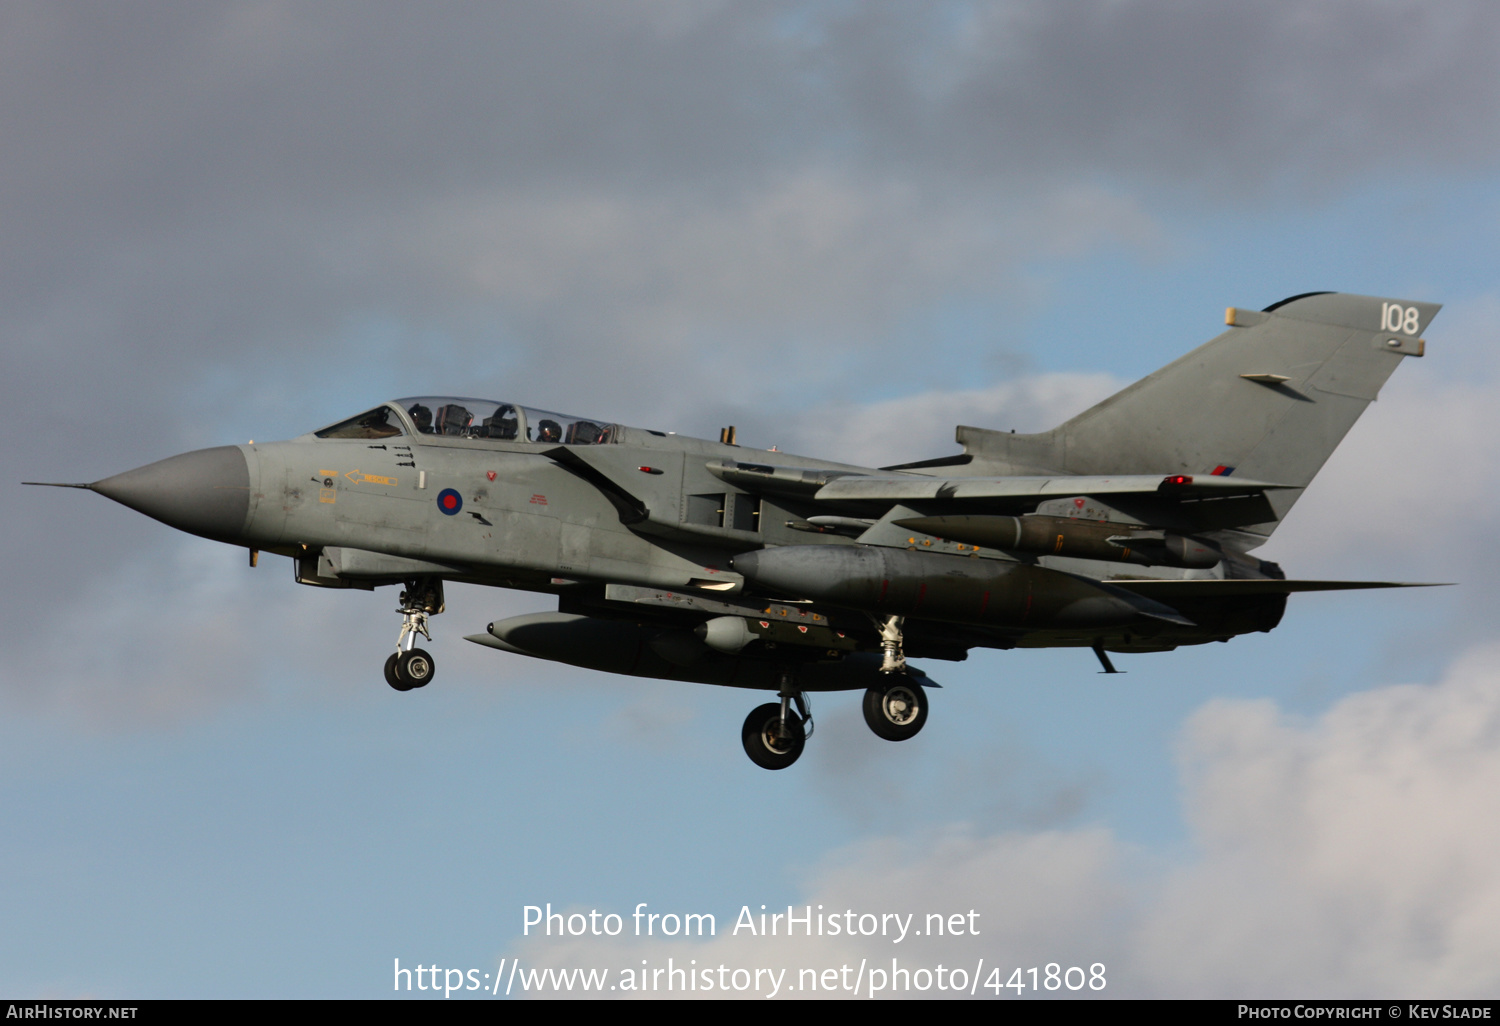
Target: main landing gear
[(411, 667), (892, 654), (773, 734), (895, 709)]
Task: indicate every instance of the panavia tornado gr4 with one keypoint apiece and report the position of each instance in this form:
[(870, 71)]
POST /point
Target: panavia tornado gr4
[(1129, 528)]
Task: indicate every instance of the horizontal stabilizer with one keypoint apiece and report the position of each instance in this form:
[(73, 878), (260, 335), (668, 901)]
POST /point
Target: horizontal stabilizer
[(1147, 605), (1166, 591), (912, 488)]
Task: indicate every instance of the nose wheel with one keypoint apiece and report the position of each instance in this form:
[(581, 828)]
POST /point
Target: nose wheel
[(410, 667), (407, 670)]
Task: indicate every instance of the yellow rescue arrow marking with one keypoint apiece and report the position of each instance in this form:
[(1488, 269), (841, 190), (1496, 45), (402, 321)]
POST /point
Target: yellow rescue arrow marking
[(355, 477)]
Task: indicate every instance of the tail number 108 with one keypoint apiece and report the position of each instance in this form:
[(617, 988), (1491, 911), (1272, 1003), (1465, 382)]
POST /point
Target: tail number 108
[(1395, 317)]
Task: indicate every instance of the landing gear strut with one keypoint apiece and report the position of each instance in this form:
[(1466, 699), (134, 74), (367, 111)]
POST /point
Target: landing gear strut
[(893, 658), (896, 708), (411, 667), (773, 734)]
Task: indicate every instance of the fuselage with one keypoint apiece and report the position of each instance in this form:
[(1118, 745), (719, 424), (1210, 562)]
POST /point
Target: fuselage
[(504, 500)]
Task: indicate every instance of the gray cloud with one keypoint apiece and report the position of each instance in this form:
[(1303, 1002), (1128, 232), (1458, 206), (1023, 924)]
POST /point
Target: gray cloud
[(258, 168), (191, 191), (170, 109), (1217, 96)]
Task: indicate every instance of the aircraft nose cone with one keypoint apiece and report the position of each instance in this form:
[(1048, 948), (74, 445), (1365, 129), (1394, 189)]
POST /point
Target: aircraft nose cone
[(206, 492)]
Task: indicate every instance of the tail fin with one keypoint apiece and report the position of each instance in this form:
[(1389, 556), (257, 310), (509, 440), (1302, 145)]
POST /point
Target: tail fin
[(1269, 399)]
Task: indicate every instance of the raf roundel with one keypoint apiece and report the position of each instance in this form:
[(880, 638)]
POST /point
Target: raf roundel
[(449, 501)]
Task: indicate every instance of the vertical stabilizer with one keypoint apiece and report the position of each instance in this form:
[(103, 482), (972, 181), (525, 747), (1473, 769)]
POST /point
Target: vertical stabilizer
[(1269, 399)]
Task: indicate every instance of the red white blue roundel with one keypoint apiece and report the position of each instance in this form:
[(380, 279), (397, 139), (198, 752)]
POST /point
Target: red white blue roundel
[(449, 501)]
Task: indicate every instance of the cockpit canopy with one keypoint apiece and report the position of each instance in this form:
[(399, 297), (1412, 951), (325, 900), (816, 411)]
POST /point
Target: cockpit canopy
[(472, 418)]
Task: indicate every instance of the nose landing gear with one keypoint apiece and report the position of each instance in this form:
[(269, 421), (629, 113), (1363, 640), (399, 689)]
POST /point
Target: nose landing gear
[(411, 667)]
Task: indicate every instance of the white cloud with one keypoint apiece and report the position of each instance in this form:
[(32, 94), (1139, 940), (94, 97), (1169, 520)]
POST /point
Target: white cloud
[(1350, 856), (921, 426)]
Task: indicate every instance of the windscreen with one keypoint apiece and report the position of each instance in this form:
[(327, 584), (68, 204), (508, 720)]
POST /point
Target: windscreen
[(380, 422)]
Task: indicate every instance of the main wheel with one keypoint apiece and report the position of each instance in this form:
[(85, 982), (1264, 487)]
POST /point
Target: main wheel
[(896, 711), (769, 744), (415, 667), (392, 677)]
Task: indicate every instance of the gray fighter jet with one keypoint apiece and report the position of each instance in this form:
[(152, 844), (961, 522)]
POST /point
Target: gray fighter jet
[(1127, 529)]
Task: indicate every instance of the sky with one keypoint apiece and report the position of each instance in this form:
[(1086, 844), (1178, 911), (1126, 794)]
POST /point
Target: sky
[(844, 228)]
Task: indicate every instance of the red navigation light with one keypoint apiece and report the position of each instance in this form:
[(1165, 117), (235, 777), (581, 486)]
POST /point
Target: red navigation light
[(648, 470), (1178, 479)]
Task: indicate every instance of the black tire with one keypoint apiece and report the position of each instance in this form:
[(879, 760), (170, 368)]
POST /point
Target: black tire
[(415, 667), (763, 741), (896, 711), (391, 676)]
